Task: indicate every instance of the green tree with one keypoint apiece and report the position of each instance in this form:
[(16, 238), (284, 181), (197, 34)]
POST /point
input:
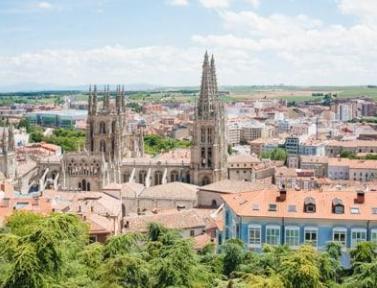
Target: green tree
[(300, 269), (233, 250)]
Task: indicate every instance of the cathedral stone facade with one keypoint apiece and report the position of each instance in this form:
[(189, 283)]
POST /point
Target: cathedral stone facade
[(8, 157), (115, 155)]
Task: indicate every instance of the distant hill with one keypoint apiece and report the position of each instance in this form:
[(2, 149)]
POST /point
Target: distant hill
[(33, 87)]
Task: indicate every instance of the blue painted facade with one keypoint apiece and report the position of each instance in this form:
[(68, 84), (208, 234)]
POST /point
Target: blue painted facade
[(325, 231)]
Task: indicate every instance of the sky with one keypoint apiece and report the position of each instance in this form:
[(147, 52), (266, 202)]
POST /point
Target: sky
[(66, 43)]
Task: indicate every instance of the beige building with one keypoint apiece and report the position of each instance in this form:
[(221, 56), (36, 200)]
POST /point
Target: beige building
[(334, 147), (317, 163), (356, 170)]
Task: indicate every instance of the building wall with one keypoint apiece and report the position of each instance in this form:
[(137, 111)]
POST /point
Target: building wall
[(320, 169), (238, 227), (362, 175), (209, 199), (338, 172)]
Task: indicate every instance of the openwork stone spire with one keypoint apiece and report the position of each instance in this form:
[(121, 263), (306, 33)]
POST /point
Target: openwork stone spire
[(206, 106), (213, 76)]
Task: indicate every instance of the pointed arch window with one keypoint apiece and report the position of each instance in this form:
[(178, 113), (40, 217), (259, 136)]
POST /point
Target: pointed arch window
[(157, 178), (202, 135), (102, 127), (142, 176), (209, 156), (174, 176), (102, 146), (210, 135)]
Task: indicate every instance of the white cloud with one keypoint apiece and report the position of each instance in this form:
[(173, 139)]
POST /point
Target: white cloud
[(298, 50), (215, 3), (254, 3), (362, 8), (252, 49), (178, 2), (112, 64), (44, 5)]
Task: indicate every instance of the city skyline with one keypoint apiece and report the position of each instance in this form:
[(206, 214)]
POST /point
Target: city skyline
[(258, 42)]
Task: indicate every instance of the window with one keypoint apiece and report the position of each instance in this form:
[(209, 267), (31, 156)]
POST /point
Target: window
[(272, 207), (273, 235), (254, 235), (227, 236), (311, 236), (102, 128), (203, 135), (255, 207), (337, 206), (292, 236), (309, 205), (157, 178), (355, 210), (373, 235), (292, 208), (358, 235), (102, 146), (192, 233), (374, 210), (227, 218), (339, 235), (174, 176)]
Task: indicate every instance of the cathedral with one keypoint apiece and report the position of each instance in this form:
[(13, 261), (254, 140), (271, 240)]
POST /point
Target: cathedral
[(113, 154)]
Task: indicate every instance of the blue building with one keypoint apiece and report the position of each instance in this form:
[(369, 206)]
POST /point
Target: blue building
[(292, 218)]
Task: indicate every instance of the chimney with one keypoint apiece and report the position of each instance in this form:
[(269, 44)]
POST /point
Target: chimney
[(360, 198), (282, 194)]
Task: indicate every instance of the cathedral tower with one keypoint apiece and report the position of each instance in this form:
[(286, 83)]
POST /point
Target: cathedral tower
[(209, 149), (8, 159), (107, 125)]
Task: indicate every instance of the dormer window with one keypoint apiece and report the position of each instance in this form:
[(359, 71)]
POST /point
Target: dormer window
[(337, 206), (309, 205)]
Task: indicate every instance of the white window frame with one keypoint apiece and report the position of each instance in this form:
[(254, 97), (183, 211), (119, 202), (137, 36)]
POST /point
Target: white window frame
[(273, 227), (340, 229), (292, 228), (373, 231), (312, 229), (355, 241), (255, 226)]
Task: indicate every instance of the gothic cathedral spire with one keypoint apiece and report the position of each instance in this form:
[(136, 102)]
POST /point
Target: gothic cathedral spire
[(208, 152)]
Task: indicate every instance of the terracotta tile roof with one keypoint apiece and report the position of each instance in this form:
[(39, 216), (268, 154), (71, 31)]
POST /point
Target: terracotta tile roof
[(353, 144), (314, 159), (10, 203), (131, 189), (172, 190), (98, 224), (232, 186), (202, 240), (353, 163), (256, 204), (243, 158), (172, 219)]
